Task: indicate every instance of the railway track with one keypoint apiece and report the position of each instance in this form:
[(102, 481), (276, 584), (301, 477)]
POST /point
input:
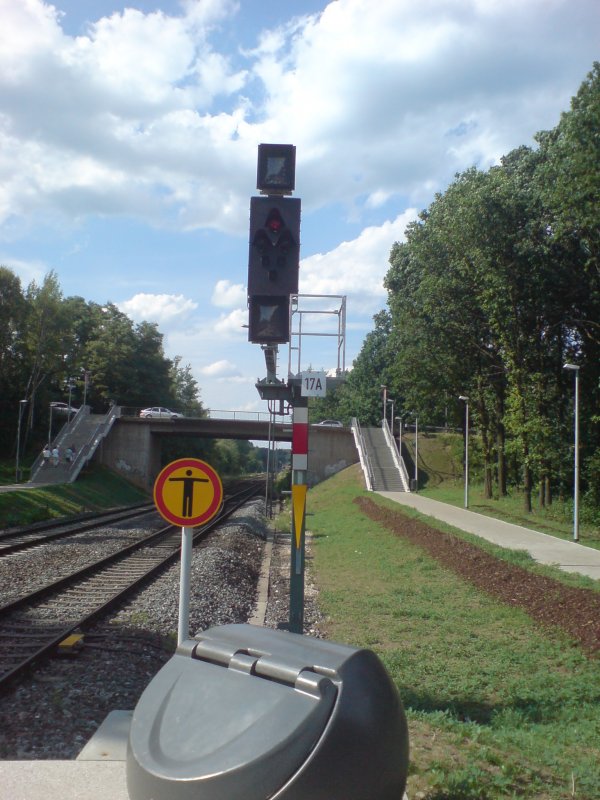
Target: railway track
[(12, 540), (34, 625)]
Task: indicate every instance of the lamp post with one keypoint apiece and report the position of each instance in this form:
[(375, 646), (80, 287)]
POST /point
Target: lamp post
[(86, 381), (416, 453), (575, 369), (384, 400), (391, 402), (466, 402), (50, 423), (70, 386), (22, 404)]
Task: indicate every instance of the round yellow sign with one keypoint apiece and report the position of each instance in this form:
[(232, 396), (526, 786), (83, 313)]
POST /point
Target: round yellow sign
[(188, 492)]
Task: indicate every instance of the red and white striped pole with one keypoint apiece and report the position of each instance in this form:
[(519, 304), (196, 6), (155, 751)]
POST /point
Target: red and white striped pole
[(299, 489)]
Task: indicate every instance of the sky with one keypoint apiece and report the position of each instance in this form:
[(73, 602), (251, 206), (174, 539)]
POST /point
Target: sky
[(129, 136)]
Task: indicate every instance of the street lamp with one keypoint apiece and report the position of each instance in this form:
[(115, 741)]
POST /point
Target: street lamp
[(392, 417), (70, 386), (466, 402), (86, 381), (22, 404), (575, 369), (50, 423), (399, 420), (416, 453), (384, 400)]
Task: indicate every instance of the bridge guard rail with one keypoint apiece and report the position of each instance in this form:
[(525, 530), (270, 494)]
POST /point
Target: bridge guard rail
[(363, 453)]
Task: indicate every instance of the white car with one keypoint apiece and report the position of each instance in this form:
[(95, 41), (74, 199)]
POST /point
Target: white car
[(159, 412), (63, 408), (330, 423)]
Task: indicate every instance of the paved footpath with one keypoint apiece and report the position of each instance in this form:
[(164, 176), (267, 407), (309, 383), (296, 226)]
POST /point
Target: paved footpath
[(545, 549)]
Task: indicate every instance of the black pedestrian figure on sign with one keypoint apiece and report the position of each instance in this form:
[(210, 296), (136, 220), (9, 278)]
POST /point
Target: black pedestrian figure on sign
[(188, 491)]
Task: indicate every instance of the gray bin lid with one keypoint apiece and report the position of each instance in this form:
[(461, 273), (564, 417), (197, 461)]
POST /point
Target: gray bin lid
[(238, 713)]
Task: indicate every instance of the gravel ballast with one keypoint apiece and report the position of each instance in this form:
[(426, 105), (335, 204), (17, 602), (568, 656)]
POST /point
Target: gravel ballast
[(54, 713)]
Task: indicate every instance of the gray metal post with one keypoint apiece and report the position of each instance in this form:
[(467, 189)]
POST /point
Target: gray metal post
[(575, 368), (22, 404), (576, 466), (416, 453), (184, 584), (466, 402)]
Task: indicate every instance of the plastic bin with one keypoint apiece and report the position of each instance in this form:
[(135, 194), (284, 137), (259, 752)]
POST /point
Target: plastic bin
[(249, 713)]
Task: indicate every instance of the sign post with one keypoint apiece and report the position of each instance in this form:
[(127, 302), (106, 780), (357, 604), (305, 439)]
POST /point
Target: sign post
[(187, 492), (299, 490)]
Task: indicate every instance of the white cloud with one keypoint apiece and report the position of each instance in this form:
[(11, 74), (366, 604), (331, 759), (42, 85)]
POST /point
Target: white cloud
[(154, 117), (123, 119), (228, 295), (233, 323), (356, 268), (27, 271), (221, 369), (161, 308), (386, 81)]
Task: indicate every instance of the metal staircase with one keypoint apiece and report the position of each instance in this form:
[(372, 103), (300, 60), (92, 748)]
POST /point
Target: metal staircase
[(382, 465), (82, 434)]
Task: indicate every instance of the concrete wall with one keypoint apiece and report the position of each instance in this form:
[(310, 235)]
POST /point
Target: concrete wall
[(133, 451), (329, 451)]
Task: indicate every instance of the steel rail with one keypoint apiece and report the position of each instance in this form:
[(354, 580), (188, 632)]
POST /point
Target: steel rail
[(16, 539), (32, 626)]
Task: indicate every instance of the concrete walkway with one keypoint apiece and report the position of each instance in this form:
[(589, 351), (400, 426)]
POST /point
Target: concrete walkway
[(545, 549)]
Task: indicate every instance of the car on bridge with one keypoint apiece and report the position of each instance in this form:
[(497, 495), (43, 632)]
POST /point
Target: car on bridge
[(330, 423), (63, 408), (159, 412)]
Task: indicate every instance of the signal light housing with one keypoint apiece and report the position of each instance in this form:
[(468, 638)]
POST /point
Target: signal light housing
[(269, 319), (274, 248), (276, 169)]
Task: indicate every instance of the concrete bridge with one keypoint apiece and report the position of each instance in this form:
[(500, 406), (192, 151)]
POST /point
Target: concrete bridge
[(132, 447)]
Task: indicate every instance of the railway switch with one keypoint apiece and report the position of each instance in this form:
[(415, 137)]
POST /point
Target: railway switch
[(248, 713)]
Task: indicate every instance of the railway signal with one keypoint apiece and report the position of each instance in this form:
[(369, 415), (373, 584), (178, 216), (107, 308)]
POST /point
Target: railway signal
[(274, 245), (273, 266)]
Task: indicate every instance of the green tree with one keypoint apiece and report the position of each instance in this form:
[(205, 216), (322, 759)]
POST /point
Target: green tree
[(44, 343), (185, 390), (12, 367)]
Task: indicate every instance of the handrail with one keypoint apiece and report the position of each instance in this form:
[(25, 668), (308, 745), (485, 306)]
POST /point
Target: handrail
[(212, 413), (363, 453), (68, 428), (87, 451), (398, 460)]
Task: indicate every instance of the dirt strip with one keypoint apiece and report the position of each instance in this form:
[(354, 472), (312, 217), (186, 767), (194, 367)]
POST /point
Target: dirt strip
[(549, 602)]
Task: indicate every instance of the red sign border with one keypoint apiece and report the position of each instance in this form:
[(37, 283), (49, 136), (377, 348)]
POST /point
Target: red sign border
[(175, 519)]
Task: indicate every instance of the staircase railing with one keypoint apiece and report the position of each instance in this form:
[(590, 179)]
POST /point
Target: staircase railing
[(398, 460), (363, 453), (87, 451), (66, 432)]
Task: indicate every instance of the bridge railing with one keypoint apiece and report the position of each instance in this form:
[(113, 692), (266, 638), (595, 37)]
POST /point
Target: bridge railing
[(215, 413), (253, 416)]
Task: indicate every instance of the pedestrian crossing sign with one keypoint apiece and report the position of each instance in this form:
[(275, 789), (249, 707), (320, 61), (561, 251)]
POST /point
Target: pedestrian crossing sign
[(188, 492)]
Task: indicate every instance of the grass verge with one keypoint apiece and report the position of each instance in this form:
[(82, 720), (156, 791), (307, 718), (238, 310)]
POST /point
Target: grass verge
[(497, 708), (96, 489)]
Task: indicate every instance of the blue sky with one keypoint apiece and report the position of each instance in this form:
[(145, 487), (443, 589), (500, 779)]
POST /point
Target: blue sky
[(129, 134)]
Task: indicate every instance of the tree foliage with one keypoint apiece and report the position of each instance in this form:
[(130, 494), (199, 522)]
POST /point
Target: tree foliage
[(496, 287), (48, 343)]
